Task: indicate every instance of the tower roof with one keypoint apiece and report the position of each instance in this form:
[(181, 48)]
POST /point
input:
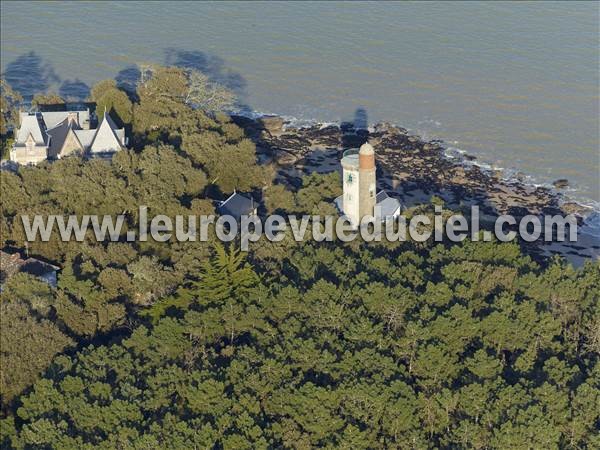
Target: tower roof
[(366, 149), (366, 157)]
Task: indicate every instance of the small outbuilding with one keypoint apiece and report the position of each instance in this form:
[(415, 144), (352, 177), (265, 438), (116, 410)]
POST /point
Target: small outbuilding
[(237, 205), (12, 263)]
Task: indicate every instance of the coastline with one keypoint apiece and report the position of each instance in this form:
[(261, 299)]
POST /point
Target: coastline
[(414, 169), (561, 187)]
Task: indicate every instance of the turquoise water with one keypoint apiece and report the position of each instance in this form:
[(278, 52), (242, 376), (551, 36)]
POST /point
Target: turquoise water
[(515, 84)]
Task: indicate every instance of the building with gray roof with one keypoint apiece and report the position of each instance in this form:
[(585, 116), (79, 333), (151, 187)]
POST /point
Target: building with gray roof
[(237, 205), (31, 140), (56, 134), (54, 118), (13, 263)]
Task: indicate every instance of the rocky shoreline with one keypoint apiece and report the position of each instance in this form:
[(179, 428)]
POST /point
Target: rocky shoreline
[(414, 170)]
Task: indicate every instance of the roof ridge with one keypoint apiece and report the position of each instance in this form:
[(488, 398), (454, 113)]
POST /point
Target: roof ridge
[(229, 198)]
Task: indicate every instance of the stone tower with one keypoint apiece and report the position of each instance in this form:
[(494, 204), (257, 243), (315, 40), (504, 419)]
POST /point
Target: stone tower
[(359, 183)]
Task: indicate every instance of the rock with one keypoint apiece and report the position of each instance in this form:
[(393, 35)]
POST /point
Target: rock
[(264, 135), (273, 124), (522, 178), (250, 126), (575, 208), (561, 183), (284, 158)]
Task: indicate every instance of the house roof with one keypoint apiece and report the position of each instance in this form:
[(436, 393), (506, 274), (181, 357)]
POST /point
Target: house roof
[(85, 137), (58, 134), (388, 206), (381, 196), (106, 139), (339, 203), (12, 263), (237, 205), (31, 124), (51, 128), (37, 268), (54, 118)]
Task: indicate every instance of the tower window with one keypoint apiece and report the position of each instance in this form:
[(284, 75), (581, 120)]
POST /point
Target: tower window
[(350, 178)]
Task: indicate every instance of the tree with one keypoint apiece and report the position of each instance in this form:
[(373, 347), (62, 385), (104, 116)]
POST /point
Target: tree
[(230, 166), (188, 86), (108, 97), (150, 280), (28, 344), (9, 116), (279, 198), (9, 103), (161, 107), (47, 99), (225, 276), (207, 95), (173, 101)]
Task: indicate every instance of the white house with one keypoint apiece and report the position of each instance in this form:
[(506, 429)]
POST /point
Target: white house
[(56, 134)]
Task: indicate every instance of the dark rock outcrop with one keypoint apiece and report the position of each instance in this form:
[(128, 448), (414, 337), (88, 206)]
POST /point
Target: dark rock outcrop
[(561, 183)]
